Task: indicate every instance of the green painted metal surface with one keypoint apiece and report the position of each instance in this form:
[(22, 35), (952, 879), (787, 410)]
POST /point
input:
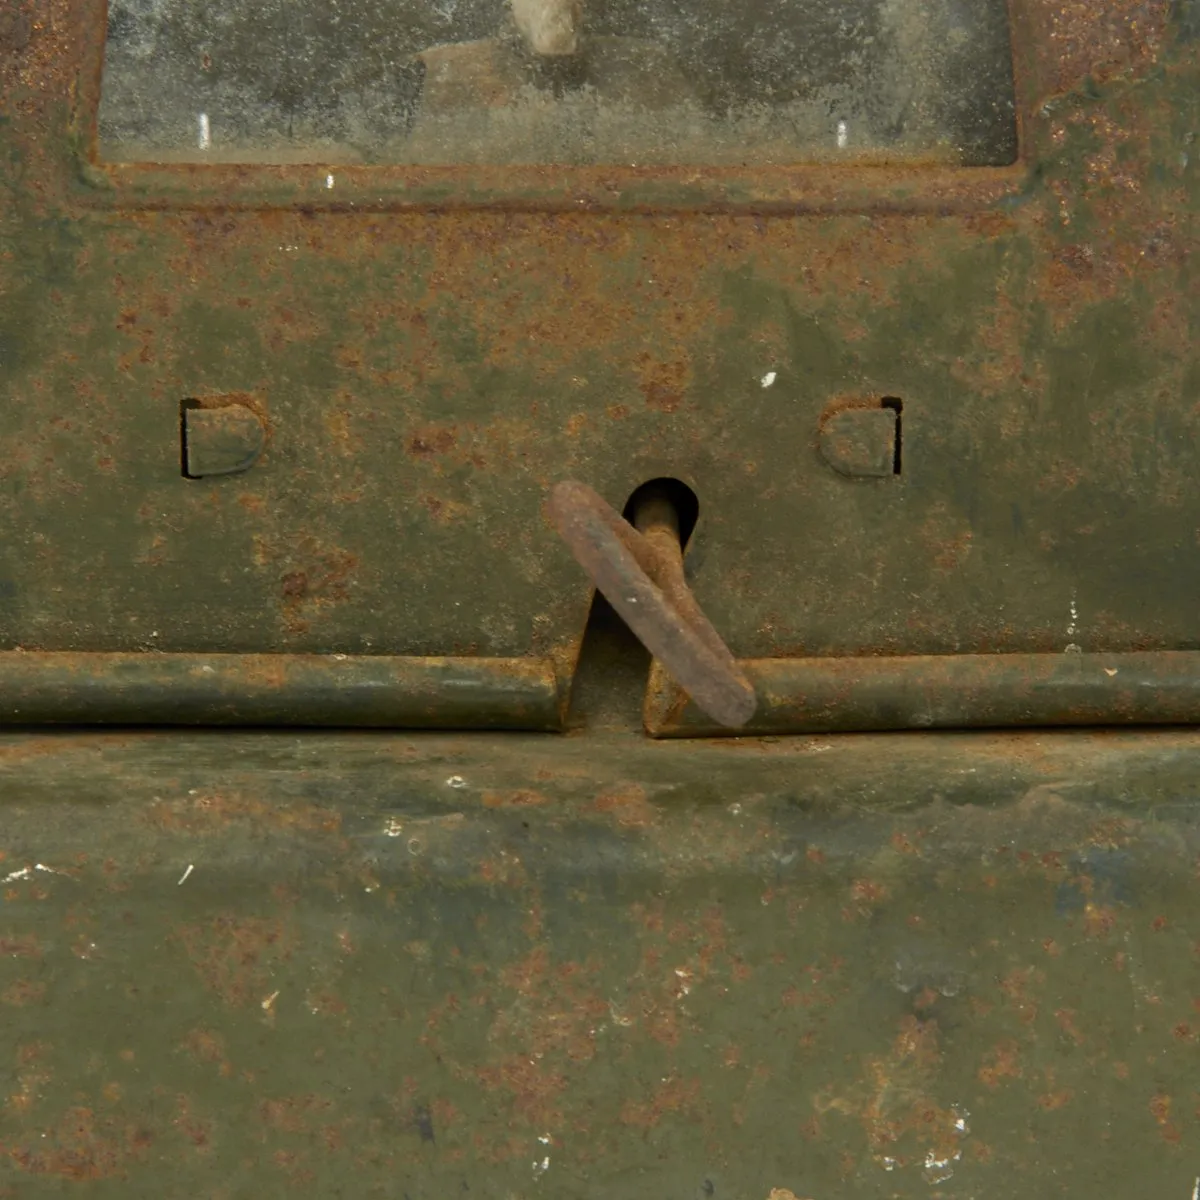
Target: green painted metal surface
[(885, 966), (955, 965)]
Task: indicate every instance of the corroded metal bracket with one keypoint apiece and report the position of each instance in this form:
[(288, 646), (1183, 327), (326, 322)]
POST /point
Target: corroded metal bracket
[(951, 691), (278, 689), (640, 572)]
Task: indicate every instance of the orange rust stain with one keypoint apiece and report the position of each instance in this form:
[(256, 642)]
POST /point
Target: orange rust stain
[(1015, 987), (674, 1095), (430, 442), (534, 1087), (1160, 1110), (232, 955), (205, 1046), (1098, 921), (629, 805), (326, 1004), (294, 1114), (1053, 1100), (196, 1131), (20, 946), (81, 1147), (23, 992), (925, 998), (1075, 39), (867, 891), (1003, 1062), (664, 385), (521, 798), (212, 812)]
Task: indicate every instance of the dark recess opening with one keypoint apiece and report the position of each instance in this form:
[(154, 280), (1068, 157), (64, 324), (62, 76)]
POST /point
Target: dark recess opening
[(897, 406), (184, 406), (682, 499)]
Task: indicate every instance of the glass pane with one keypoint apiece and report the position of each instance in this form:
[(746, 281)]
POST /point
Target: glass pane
[(704, 82)]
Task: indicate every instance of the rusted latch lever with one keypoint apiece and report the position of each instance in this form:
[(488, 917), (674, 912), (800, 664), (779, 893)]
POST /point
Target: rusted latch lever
[(640, 572)]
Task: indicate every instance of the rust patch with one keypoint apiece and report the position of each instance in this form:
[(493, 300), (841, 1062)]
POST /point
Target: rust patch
[(213, 812), (664, 385), (233, 955), (521, 798), (1002, 1063), (629, 805), (1078, 39), (429, 443), (673, 1096), (84, 1147), (23, 992), (294, 1114), (20, 946)]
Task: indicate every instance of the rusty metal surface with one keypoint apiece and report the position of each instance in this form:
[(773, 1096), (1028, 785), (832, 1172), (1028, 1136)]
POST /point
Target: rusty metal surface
[(427, 373), (640, 572), (947, 691), (152, 688), (882, 966)]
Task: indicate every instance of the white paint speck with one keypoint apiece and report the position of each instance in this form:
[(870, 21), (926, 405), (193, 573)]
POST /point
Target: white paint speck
[(1110, 671), (23, 873), (329, 182), (1073, 623), (203, 132), (938, 1170), (456, 781), (769, 378), (843, 135), (393, 828), (540, 1168), (889, 1164), (183, 878), (544, 1138)]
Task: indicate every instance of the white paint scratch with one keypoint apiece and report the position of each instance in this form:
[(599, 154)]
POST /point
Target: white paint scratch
[(769, 378), (27, 873), (269, 1002), (843, 135), (329, 182), (203, 132), (1110, 672), (1073, 623), (183, 877), (456, 781), (1196, 1189)]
